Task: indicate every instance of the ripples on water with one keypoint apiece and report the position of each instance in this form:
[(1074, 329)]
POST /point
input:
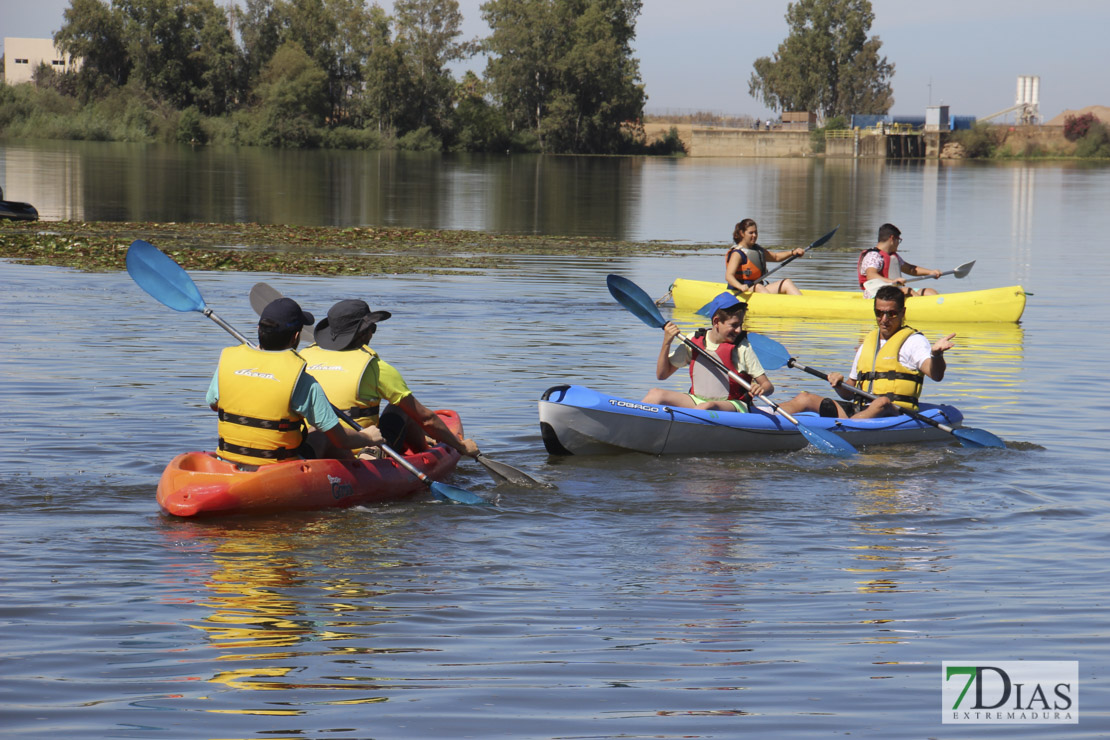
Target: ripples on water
[(787, 595)]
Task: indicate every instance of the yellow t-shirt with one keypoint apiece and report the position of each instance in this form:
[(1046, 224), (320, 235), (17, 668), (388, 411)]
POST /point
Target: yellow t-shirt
[(387, 384)]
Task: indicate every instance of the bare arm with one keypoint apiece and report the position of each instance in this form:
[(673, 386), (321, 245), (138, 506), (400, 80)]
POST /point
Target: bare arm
[(343, 437), (782, 254), (842, 386), (935, 366), (872, 273), (434, 427), (920, 271), (762, 386), (663, 367)]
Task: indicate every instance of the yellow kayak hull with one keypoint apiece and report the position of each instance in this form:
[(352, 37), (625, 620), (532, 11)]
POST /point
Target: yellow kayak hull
[(991, 305)]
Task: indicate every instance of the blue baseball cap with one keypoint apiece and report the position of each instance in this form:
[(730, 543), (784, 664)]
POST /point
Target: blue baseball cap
[(724, 301)]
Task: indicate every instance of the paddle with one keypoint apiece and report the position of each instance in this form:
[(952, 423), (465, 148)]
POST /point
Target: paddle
[(639, 303), (169, 284), (772, 354), (791, 258), (959, 272), (263, 294)]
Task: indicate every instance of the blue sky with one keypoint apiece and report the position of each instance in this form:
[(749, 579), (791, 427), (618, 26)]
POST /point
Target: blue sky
[(698, 54)]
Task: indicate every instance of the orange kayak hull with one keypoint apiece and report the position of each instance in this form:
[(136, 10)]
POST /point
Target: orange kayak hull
[(199, 483)]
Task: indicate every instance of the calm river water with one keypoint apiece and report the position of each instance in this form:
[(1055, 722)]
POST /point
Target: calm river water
[(788, 596)]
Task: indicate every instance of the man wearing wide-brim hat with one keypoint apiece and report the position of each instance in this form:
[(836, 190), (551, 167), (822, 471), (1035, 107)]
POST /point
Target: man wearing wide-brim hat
[(264, 397), (356, 380)]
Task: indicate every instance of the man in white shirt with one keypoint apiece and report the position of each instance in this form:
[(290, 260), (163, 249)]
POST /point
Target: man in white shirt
[(892, 363)]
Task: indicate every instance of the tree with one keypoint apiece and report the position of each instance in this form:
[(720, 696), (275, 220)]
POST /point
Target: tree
[(564, 68), (599, 80), (479, 126), (260, 26), (427, 34), (827, 64), (384, 74), (216, 62), (292, 94), (93, 32)]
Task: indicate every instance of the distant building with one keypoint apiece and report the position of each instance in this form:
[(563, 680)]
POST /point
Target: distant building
[(23, 56), (936, 118)]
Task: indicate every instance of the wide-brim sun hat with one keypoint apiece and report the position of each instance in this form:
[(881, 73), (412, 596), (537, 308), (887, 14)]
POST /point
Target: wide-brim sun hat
[(346, 320)]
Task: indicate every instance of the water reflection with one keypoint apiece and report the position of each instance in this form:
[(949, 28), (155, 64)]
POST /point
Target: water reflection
[(137, 182), (269, 601)]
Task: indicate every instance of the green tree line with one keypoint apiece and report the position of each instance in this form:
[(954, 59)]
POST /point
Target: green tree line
[(560, 76)]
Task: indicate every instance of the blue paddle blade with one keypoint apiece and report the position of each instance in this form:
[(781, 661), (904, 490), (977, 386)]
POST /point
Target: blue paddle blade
[(771, 354), (977, 438), (633, 298), (827, 442), (447, 492), (162, 278)]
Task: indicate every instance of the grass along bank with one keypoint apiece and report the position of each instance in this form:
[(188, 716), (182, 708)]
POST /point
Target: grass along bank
[(299, 250)]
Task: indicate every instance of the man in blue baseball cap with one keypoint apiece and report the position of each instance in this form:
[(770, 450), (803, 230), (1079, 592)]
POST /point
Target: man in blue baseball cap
[(710, 387), (264, 397)]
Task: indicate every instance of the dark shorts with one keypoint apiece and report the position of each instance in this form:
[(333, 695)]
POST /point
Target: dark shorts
[(828, 407)]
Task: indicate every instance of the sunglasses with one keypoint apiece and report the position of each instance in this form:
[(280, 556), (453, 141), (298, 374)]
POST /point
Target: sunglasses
[(890, 314)]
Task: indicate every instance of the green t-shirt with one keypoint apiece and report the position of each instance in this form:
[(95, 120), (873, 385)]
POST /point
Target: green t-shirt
[(386, 383)]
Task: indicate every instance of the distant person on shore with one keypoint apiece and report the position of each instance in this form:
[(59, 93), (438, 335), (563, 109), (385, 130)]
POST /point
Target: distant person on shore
[(882, 265), (710, 388), (892, 363), (746, 262)]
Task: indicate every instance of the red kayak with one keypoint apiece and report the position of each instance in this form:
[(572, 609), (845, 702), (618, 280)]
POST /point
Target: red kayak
[(199, 483)]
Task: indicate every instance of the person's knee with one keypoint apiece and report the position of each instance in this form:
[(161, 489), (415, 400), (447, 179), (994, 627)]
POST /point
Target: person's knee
[(392, 426), (881, 405)]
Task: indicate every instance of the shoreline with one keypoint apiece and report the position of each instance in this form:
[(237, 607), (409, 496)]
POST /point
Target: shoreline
[(99, 246)]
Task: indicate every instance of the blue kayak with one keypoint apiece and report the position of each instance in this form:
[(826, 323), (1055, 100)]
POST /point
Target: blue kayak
[(576, 420)]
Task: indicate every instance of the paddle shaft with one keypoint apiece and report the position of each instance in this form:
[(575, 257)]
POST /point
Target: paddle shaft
[(791, 258), (871, 397)]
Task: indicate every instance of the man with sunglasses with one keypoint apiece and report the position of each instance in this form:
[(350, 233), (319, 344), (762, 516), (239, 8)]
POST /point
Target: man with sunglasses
[(356, 380), (882, 265), (892, 363)]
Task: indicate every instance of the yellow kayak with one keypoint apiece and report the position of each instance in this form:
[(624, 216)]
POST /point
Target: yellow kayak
[(991, 305)]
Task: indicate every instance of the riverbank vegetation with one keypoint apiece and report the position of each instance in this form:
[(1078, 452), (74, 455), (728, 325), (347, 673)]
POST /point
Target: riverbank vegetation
[(1082, 137), (560, 76), (300, 250)]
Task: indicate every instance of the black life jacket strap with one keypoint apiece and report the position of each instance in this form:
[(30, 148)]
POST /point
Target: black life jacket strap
[(281, 453), (892, 375), (281, 425), (361, 412)]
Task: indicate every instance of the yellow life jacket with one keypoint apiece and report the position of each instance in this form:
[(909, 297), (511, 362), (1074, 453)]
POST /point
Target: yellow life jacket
[(340, 373), (257, 423), (888, 377)]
